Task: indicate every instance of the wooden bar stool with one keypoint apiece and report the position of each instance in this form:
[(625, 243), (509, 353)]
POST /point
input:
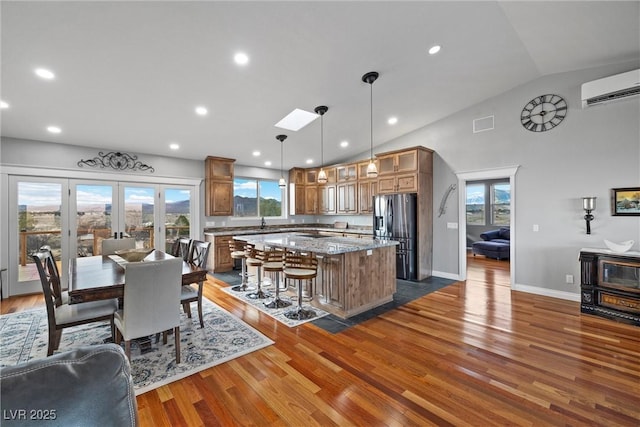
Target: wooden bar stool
[(274, 263), (301, 267), (236, 247), (255, 258)]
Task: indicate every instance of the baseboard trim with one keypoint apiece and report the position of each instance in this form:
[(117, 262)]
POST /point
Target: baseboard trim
[(444, 275), (547, 292)]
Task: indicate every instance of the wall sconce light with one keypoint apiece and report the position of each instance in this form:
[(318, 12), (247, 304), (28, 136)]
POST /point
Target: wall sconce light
[(588, 204)]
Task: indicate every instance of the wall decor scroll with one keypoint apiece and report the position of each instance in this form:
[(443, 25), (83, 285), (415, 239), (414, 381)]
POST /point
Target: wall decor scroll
[(118, 161)]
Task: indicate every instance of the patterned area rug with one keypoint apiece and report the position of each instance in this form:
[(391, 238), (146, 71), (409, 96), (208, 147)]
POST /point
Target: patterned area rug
[(276, 313), (23, 336)]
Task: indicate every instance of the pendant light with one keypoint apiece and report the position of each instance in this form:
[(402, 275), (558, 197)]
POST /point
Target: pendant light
[(281, 183), (372, 170), (322, 175)]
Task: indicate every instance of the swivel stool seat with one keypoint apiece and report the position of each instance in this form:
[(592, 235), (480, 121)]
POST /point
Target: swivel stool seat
[(301, 267), (274, 263), (236, 248), (255, 258)]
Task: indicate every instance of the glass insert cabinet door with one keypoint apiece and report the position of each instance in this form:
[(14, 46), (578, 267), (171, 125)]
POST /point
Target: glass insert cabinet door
[(620, 274)]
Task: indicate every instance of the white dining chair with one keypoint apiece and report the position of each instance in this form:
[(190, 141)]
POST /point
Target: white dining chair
[(151, 302), (110, 246)]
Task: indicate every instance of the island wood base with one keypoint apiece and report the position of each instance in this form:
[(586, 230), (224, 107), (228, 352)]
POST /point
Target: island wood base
[(353, 282)]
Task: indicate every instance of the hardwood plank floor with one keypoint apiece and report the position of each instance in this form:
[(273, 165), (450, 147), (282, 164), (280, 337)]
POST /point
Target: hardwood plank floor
[(474, 353)]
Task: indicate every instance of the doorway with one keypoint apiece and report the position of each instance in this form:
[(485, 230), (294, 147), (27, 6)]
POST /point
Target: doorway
[(73, 216), (503, 174)]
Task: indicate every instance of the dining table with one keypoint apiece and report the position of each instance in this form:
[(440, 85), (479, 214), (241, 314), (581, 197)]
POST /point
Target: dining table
[(101, 277)]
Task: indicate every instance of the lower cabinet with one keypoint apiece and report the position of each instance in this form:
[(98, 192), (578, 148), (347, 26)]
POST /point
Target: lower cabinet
[(330, 280), (219, 256)]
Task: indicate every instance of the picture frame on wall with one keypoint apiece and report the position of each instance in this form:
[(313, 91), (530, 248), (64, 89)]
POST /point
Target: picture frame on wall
[(625, 201)]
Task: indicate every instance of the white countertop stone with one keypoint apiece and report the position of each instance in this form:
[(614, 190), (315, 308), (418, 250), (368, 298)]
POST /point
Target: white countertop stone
[(329, 245)]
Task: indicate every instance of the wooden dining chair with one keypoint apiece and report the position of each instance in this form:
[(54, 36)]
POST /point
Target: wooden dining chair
[(61, 297), (150, 302), (110, 246), (198, 256), (63, 315), (181, 248)]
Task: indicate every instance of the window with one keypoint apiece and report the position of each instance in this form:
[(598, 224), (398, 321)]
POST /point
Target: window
[(500, 203), (489, 203), (256, 198), (475, 204)]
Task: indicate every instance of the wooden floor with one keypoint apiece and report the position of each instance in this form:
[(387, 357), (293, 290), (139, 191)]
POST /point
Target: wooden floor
[(474, 353)]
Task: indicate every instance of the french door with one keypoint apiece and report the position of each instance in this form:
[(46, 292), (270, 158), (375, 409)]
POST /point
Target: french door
[(72, 217)]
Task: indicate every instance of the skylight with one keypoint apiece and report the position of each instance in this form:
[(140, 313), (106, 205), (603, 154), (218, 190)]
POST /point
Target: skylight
[(296, 120)]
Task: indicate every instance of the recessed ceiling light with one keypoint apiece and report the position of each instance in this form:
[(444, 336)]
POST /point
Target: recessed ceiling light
[(174, 146), (202, 111), (392, 120), (54, 129), (3, 105), (309, 161), (241, 58), (344, 144), (267, 163), (256, 153), (44, 73), (434, 49), (296, 120)]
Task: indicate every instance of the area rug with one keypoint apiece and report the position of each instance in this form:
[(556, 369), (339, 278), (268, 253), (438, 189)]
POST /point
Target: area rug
[(276, 313), (24, 336)]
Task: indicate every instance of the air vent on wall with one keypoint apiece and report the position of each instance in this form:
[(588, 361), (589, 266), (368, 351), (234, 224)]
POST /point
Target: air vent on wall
[(611, 88), (482, 124)]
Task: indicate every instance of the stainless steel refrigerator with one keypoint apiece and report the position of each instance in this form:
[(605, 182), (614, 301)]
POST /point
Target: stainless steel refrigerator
[(395, 218)]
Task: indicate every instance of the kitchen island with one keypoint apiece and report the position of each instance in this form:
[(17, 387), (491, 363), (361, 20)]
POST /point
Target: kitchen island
[(354, 275)]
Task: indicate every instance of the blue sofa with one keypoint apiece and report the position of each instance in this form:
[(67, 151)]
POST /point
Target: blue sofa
[(494, 244)]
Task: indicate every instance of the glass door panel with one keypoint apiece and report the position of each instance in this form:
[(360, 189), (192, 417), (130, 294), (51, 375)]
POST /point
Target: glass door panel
[(139, 214), (177, 215), (94, 204), (39, 218)]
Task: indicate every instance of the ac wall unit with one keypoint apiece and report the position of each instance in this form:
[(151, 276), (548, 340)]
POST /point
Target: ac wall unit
[(611, 88)]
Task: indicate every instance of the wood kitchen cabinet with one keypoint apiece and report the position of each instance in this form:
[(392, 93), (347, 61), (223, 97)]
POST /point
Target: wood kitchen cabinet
[(405, 183), (297, 191), (311, 200), (327, 195), (330, 277), (366, 190), (397, 161), (219, 255), (218, 186), (347, 172), (346, 198)]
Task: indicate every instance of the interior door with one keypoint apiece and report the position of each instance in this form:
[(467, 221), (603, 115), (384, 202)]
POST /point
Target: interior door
[(38, 217)]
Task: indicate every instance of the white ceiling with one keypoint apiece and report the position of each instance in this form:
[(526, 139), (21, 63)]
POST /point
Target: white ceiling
[(129, 74)]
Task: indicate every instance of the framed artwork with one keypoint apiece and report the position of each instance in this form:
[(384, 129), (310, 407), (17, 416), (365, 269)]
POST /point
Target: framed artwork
[(625, 201)]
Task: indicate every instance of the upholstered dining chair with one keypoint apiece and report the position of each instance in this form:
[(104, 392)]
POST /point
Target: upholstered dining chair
[(181, 248), (110, 246), (150, 302), (198, 256), (63, 315)]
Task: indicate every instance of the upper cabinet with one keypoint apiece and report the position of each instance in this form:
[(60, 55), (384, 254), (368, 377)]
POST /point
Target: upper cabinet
[(398, 161), (403, 171), (347, 172), (218, 186)]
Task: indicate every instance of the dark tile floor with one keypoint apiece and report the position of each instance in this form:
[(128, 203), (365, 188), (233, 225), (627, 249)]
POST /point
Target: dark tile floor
[(406, 291)]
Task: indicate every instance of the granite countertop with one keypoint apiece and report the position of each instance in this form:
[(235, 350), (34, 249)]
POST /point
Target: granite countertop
[(609, 251), (330, 245), (237, 231)]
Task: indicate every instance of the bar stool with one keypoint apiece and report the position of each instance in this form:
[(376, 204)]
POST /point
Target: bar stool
[(255, 258), (236, 248), (301, 267), (274, 263)]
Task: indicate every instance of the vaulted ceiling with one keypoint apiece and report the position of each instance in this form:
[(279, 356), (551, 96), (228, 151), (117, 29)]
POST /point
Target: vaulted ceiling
[(128, 75)]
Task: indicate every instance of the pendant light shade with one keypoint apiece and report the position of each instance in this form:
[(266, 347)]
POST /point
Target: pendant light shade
[(370, 77), (282, 183), (322, 175)]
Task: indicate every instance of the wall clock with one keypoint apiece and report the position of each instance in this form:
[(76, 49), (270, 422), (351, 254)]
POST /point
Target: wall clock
[(543, 113)]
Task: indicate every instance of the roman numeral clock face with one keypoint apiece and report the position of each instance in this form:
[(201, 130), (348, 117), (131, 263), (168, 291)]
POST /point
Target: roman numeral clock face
[(543, 113)]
